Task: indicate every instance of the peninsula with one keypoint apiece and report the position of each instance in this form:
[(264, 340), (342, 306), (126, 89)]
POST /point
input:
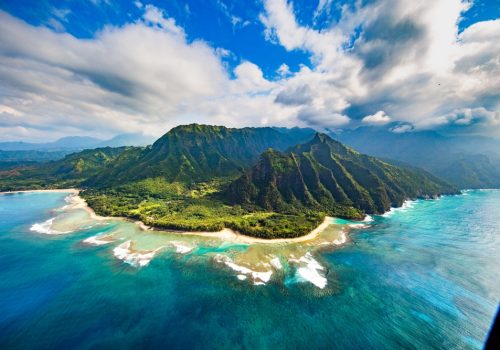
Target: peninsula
[(269, 183)]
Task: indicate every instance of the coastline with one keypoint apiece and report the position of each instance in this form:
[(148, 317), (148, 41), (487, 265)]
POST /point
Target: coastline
[(224, 234), (234, 236)]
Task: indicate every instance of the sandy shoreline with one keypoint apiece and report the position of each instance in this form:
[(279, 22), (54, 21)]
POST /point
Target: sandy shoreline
[(234, 236), (225, 234)]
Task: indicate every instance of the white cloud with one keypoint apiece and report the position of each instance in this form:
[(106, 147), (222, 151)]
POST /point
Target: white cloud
[(378, 118), (251, 77), (400, 129), (144, 76), (469, 116), (157, 17), (402, 59), (323, 6), (9, 110), (132, 77), (408, 59), (283, 70)]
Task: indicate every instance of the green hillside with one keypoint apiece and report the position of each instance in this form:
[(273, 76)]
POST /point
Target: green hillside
[(193, 153), (70, 171), (325, 175), (264, 182)]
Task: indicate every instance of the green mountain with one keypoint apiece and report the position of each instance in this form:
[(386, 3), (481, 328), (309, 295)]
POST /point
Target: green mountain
[(67, 172), (326, 175), (264, 182), (194, 153)]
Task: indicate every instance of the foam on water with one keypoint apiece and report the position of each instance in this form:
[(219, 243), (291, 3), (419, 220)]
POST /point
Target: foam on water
[(368, 218), (98, 240), (258, 277), (133, 257), (407, 204), (342, 239), (46, 228), (276, 263), (422, 279), (310, 271), (358, 226), (181, 248)]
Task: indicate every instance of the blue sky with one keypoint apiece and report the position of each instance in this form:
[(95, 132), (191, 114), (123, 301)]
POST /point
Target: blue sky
[(323, 64)]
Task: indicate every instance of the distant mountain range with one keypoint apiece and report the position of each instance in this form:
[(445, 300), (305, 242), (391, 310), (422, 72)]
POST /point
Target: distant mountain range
[(266, 182), (464, 161), (40, 152)]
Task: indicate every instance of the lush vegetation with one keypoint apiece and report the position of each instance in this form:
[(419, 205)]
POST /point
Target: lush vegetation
[(195, 207), (194, 153), (70, 171), (325, 175), (206, 178)]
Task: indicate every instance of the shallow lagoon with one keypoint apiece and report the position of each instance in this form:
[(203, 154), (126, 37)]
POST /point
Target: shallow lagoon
[(425, 276)]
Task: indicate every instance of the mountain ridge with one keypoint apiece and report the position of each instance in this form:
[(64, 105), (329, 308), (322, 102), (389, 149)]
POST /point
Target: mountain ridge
[(323, 173), (195, 152), (262, 182)]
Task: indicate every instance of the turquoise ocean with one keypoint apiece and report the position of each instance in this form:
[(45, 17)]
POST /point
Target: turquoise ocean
[(423, 277)]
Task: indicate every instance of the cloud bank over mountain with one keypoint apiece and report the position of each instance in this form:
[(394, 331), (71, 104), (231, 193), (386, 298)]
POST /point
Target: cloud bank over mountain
[(384, 61)]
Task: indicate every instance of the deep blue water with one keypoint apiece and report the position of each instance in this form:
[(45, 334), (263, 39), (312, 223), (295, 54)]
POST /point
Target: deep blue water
[(422, 278)]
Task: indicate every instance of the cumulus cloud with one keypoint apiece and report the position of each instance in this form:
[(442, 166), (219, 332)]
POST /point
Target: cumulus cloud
[(133, 77), (283, 70), (145, 76), (468, 116), (157, 17), (402, 59), (378, 118)]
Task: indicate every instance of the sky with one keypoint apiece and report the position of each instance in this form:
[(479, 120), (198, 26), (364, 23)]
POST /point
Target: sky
[(105, 67)]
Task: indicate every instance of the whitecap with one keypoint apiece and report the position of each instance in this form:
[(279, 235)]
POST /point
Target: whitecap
[(311, 271), (98, 240), (69, 199), (358, 226), (132, 257), (341, 240), (276, 263), (259, 277), (407, 204), (46, 228), (388, 213), (180, 248), (368, 218)]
